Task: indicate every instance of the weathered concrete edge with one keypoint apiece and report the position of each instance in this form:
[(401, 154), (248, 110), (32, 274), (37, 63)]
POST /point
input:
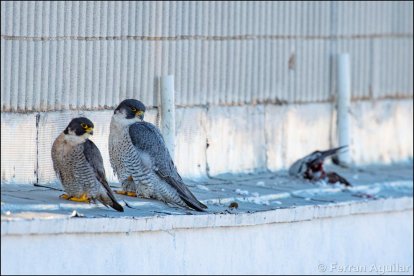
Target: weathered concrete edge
[(71, 225)]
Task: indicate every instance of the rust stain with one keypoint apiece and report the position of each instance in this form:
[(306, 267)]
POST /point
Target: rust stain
[(292, 62)]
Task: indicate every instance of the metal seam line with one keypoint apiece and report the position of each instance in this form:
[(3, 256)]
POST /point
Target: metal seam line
[(202, 37)]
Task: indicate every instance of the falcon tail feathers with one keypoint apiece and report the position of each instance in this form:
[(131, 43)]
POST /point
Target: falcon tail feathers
[(198, 206), (189, 196), (185, 194), (109, 200)]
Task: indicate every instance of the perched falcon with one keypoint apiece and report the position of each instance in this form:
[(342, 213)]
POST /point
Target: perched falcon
[(311, 167), (79, 166), (141, 160)]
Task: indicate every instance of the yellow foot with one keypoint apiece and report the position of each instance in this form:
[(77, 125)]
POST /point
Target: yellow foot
[(64, 196), (121, 192), (82, 198)]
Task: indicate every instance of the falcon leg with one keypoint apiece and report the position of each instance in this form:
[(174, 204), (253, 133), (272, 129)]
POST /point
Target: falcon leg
[(127, 184)]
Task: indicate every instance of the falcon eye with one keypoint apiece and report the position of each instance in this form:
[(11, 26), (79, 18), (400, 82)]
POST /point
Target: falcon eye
[(133, 109), (85, 126)]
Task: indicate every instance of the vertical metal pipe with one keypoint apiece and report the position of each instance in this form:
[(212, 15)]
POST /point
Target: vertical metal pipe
[(343, 102), (168, 112)]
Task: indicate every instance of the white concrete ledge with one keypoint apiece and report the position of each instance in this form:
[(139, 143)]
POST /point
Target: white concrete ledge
[(68, 224), (282, 226), (262, 199)]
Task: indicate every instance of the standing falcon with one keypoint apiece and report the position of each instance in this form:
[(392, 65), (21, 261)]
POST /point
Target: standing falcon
[(311, 167), (141, 160), (79, 166)]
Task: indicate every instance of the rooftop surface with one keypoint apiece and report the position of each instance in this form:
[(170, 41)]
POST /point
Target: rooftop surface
[(261, 198)]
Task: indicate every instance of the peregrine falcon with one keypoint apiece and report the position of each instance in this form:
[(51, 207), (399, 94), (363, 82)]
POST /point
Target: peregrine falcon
[(79, 166), (141, 160), (311, 167)]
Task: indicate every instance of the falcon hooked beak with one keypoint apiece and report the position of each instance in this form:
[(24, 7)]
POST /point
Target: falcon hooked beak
[(89, 130), (139, 114)]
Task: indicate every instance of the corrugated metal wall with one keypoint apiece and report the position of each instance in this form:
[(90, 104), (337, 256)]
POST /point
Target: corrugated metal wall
[(90, 55)]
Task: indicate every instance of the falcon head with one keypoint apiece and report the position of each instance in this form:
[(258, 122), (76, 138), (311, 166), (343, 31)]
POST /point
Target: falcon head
[(131, 110), (79, 129)]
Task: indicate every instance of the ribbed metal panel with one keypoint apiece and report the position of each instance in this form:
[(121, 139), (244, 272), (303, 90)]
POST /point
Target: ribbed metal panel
[(374, 17), (136, 18), (361, 66), (92, 54), (55, 75), (130, 18), (394, 62)]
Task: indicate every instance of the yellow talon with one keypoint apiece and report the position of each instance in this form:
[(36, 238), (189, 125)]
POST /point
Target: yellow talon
[(133, 194), (82, 198), (121, 192), (64, 196)]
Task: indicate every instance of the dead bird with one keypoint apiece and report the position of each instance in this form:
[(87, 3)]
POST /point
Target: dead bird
[(311, 167)]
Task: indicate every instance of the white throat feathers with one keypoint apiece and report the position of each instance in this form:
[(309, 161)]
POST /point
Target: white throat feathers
[(74, 139)]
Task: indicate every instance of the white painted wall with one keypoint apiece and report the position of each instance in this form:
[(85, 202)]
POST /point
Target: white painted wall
[(304, 247), (18, 147), (239, 138)]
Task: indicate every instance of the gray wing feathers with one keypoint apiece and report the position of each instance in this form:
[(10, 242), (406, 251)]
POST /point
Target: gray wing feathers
[(146, 137), (298, 168), (94, 158)]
